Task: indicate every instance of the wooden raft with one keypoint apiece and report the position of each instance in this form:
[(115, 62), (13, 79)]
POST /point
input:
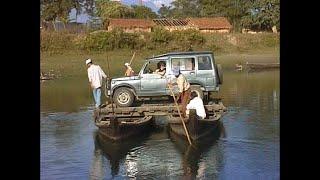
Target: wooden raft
[(152, 110)]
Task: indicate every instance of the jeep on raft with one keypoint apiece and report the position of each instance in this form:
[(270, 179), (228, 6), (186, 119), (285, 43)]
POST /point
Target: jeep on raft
[(199, 67)]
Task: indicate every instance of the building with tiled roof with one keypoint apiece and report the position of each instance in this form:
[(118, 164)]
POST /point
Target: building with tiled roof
[(214, 24), (173, 24), (131, 25)]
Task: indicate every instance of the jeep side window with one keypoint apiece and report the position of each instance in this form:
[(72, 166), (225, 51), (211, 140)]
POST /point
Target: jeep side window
[(204, 63), (184, 64), (150, 67)]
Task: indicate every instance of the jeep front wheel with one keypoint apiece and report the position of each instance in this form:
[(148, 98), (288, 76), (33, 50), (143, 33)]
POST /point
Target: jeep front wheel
[(123, 97), (197, 89)]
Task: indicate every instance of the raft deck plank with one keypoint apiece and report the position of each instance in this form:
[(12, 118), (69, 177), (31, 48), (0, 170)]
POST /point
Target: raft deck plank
[(152, 110)]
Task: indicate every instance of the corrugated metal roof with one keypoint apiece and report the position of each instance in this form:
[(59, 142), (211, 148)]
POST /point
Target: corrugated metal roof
[(171, 22), (131, 23)]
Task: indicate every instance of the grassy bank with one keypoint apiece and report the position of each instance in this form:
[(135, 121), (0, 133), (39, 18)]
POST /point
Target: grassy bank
[(64, 53), (160, 40), (73, 63)]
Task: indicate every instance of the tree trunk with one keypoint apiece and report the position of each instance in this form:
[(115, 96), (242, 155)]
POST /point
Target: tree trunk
[(54, 25)]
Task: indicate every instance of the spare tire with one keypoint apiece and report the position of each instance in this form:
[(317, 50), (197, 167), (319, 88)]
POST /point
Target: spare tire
[(220, 74), (197, 89)]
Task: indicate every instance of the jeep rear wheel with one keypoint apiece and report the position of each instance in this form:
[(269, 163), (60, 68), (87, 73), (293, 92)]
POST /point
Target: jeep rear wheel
[(123, 97), (197, 89)]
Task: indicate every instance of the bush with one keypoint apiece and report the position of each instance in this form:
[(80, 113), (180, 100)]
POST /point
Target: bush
[(160, 39), (187, 39), (56, 41), (103, 40), (98, 40), (161, 36)]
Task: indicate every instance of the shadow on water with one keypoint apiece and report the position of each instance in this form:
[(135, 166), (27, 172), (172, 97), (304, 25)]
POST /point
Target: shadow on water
[(191, 154)]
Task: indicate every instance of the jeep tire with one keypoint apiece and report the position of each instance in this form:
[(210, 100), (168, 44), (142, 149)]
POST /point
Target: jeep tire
[(123, 97), (197, 89)]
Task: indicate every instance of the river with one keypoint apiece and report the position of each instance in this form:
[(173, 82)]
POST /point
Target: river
[(246, 147)]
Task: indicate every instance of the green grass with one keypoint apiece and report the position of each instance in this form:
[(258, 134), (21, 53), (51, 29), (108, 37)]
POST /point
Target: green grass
[(61, 55), (73, 63), (221, 43)]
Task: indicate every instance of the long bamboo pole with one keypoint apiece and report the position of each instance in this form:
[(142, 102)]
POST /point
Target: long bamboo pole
[(184, 126), (111, 98), (131, 60)]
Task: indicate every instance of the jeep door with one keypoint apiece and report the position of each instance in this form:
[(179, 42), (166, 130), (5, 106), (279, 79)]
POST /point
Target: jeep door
[(152, 84), (205, 71)]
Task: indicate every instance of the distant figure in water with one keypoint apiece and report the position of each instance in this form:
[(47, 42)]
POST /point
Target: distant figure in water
[(129, 72), (95, 75), (239, 67)]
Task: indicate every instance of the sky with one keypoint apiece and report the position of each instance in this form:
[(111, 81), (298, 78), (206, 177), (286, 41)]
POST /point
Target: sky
[(153, 4)]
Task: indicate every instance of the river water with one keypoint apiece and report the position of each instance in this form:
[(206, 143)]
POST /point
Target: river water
[(246, 145)]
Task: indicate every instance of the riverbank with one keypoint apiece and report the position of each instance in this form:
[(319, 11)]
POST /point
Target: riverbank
[(72, 63), (159, 39)]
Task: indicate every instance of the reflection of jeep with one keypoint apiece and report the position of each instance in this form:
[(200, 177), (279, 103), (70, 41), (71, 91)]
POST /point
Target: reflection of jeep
[(198, 67)]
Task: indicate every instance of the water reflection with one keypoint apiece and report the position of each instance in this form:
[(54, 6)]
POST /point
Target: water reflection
[(192, 163), (115, 152), (243, 89), (66, 95)]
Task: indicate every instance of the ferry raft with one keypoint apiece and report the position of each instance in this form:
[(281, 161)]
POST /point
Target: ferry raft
[(118, 123)]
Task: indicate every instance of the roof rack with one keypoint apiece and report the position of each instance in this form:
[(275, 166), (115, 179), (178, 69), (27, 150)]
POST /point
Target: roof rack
[(182, 53)]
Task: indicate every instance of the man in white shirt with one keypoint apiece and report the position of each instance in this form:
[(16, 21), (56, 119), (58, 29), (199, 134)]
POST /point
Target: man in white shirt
[(95, 75), (197, 104)]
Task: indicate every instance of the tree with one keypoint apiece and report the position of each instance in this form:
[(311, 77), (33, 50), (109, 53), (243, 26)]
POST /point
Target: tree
[(143, 12), (164, 11), (234, 10), (52, 10), (185, 8), (264, 14), (110, 9)]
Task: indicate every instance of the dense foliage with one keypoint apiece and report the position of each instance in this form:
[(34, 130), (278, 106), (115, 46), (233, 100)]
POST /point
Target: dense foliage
[(52, 10), (159, 39), (252, 14)]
